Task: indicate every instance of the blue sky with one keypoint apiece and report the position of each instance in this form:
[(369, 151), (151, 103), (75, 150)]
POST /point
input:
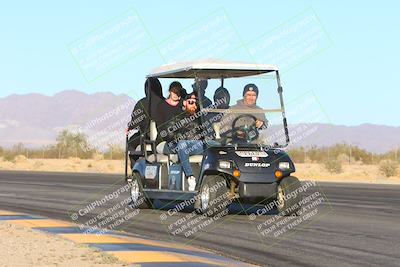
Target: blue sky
[(353, 75)]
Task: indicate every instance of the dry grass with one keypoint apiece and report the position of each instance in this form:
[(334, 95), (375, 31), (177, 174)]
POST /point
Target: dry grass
[(64, 165), (354, 173)]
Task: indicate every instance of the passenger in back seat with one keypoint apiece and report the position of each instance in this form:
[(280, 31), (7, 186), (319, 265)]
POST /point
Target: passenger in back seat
[(140, 117), (222, 100)]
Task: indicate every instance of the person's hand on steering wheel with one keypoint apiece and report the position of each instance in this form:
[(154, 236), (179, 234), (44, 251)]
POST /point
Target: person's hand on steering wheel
[(247, 132), (259, 124)]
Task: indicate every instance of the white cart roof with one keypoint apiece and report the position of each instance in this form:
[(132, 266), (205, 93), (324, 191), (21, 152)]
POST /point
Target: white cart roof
[(210, 69)]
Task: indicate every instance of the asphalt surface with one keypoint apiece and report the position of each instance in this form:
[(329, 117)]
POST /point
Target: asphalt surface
[(341, 224)]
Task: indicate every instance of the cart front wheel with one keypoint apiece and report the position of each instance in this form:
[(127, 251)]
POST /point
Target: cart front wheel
[(288, 196), (213, 196)]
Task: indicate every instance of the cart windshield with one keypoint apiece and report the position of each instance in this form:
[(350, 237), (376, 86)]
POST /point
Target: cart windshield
[(246, 111), (238, 111)]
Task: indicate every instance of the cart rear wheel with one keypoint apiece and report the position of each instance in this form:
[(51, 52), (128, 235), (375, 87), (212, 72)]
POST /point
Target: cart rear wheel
[(138, 199)]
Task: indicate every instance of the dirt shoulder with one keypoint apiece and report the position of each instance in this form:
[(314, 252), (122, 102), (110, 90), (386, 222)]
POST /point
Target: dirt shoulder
[(351, 173), (20, 246)]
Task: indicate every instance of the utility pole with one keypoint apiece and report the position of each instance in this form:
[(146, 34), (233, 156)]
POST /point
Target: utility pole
[(349, 154)]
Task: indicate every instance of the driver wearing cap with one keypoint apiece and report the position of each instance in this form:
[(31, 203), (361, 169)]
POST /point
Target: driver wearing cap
[(249, 101), (246, 117)]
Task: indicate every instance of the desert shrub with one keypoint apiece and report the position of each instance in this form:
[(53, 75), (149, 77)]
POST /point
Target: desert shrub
[(321, 154), (315, 154), (388, 167), (97, 156), (297, 155), (114, 152), (8, 156), (343, 158), (71, 144), (20, 159), (333, 166), (38, 164)]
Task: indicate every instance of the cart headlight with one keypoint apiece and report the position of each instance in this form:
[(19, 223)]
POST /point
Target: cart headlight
[(224, 164), (284, 165)]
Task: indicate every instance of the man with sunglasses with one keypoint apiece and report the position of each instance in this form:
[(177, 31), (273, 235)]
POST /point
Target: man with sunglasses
[(187, 134)]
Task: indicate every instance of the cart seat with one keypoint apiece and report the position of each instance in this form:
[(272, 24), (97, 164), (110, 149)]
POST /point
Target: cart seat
[(196, 159), (163, 157), (138, 148)]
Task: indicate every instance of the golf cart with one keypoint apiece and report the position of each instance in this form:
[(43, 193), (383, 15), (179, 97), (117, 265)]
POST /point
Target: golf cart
[(236, 165)]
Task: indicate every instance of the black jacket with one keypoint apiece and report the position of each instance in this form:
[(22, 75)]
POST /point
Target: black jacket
[(168, 113), (146, 107)]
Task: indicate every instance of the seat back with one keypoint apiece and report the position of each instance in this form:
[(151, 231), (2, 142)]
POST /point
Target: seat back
[(153, 131)]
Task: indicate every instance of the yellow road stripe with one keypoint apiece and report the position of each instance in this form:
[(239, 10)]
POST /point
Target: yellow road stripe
[(127, 256), (156, 256), (41, 223), (6, 212), (95, 239), (163, 244), (104, 239)]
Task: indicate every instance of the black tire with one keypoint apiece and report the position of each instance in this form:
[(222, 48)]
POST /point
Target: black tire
[(288, 196), (138, 199), (218, 196)]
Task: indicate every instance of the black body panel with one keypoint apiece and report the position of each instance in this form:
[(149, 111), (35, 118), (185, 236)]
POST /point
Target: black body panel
[(253, 169), (251, 190)]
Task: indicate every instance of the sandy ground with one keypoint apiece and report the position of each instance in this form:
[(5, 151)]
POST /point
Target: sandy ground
[(354, 173), (20, 246), (64, 165)]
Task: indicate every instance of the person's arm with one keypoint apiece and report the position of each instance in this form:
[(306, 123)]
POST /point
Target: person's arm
[(262, 121)]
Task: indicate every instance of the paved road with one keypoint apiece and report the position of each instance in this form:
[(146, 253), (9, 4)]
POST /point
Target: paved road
[(342, 224)]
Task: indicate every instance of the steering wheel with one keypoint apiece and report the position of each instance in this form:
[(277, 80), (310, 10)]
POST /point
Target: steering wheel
[(245, 132)]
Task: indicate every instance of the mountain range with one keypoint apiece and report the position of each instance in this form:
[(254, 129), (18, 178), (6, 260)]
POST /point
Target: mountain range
[(36, 119)]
